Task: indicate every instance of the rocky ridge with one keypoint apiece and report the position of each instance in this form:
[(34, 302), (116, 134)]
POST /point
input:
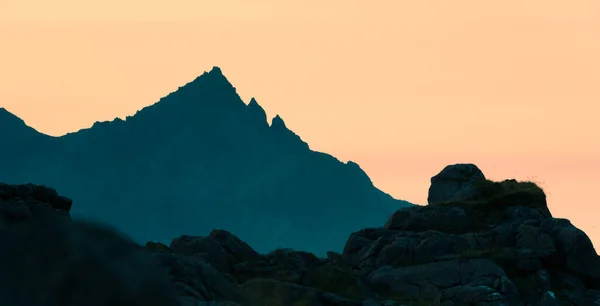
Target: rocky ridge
[(197, 159), (478, 242)]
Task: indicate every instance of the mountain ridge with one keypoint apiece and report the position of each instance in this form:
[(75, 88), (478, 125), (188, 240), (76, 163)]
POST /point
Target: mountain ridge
[(202, 150)]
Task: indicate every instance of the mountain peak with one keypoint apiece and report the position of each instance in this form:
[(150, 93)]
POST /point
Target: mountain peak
[(212, 76), (217, 160), (216, 70), (253, 102), (209, 92), (285, 135), (277, 123), (256, 111)]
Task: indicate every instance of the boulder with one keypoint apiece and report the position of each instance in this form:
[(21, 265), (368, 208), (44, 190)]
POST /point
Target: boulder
[(454, 183), (221, 249)]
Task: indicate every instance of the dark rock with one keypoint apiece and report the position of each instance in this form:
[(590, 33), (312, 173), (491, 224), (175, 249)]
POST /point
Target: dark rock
[(575, 249), (157, 247), (31, 193), (234, 246), (221, 249), (442, 218), (548, 299), (455, 182), (443, 281), (277, 293), (592, 298), (282, 264), (499, 247), (49, 260), (195, 279)]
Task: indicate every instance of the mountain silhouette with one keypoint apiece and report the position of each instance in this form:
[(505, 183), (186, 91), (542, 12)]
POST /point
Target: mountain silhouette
[(199, 159)]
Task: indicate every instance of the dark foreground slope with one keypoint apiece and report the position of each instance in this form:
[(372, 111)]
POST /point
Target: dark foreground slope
[(200, 159), (46, 259), (477, 243)]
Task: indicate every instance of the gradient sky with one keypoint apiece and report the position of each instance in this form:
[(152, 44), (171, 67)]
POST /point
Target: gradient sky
[(401, 87)]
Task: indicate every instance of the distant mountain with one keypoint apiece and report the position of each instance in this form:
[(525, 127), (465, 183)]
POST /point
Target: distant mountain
[(200, 159)]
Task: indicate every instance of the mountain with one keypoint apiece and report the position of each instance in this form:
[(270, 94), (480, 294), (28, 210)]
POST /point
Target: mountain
[(199, 159), (487, 243)]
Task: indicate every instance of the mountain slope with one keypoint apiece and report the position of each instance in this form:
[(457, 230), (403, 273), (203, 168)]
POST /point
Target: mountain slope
[(200, 159)]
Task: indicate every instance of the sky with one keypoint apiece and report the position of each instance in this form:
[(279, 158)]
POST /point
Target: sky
[(403, 88)]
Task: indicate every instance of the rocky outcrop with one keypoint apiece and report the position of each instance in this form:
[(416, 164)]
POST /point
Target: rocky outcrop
[(498, 246), (23, 202), (455, 182), (47, 259)]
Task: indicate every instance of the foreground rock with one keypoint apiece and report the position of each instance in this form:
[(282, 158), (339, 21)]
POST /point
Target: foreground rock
[(48, 260), (496, 244), (455, 182)]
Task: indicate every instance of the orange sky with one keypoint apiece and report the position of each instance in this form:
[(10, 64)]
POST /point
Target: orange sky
[(401, 87)]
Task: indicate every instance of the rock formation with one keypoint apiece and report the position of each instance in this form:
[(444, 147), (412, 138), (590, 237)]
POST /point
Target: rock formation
[(46, 259), (498, 245), (455, 182)]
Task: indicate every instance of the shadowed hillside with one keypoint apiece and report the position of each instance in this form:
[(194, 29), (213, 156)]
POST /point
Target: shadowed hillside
[(200, 159), (477, 243)]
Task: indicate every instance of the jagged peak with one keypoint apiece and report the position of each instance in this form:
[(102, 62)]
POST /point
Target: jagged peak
[(188, 95), (277, 123), (286, 135), (216, 70), (257, 111), (253, 102), (214, 75)]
